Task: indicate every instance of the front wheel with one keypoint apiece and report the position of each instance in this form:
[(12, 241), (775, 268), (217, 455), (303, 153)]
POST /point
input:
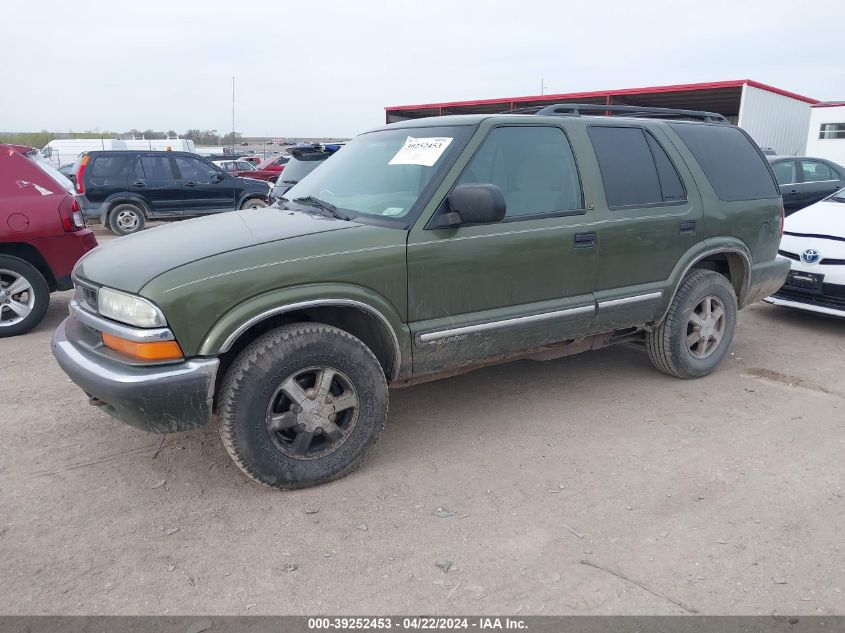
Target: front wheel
[(302, 405), (698, 329), (24, 296), (254, 203)]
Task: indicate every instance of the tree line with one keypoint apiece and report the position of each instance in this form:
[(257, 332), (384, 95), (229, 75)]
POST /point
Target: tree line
[(40, 139)]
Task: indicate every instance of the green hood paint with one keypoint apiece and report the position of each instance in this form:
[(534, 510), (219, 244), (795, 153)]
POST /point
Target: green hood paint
[(133, 261)]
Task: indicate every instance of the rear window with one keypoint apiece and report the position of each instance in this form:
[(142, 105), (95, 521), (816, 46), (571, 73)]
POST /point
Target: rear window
[(634, 167), (53, 173), (729, 159), (110, 166)]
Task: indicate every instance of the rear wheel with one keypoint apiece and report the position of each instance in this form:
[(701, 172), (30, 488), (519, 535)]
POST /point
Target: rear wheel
[(126, 218), (24, 296), (302, 405), (698, 329)]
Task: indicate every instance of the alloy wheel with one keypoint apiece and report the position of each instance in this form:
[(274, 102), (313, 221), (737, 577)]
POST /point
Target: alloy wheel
[(706, 327)]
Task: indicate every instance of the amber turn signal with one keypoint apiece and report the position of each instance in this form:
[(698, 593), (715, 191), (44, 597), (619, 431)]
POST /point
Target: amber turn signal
[(158, 350)]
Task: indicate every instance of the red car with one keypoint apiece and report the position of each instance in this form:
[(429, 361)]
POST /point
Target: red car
[(270, 168), (42, 236)]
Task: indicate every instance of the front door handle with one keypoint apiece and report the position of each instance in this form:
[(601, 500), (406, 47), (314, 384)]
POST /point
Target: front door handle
[(139, 183), (585, 240), (190, 183)]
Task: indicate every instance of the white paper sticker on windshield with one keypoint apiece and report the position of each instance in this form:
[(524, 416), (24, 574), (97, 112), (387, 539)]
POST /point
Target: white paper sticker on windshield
[(421, 151)]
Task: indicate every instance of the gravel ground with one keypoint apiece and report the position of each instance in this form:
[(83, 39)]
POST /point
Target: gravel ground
[(585, 485)]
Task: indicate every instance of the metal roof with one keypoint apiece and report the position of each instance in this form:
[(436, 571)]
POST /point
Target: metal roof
[(720, 96)]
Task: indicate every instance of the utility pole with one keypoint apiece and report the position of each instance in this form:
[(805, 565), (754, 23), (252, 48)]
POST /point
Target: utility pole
[(233, 116)]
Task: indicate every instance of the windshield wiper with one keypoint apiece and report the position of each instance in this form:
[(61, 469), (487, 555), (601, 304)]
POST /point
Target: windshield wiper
[(325, 206)]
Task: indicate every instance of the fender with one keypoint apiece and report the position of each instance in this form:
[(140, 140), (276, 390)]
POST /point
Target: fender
[(239, 319), (702, 250)]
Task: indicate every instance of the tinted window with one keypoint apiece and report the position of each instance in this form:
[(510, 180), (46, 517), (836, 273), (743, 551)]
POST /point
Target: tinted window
[(300, 166), (154, 168), (785, 172), (195, 169), (731, 162), (109, 166), (815, 171), (634, 167), (533, 166)]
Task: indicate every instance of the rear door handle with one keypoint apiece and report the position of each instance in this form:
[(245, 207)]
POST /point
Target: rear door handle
[(190, 183), (687, 227), (139, 183), (585, 240)]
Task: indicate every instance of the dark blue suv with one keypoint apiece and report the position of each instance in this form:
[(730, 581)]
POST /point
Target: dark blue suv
[(122, 189)]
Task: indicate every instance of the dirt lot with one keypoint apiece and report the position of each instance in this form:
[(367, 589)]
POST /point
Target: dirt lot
[(720, 495)]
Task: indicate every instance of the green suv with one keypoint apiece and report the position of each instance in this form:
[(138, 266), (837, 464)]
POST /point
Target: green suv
[(424, 249)]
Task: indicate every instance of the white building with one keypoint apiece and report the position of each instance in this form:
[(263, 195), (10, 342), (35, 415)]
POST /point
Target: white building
[(826, 138)]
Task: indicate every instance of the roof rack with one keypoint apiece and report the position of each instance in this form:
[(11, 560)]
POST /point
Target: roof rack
[(644, 112)]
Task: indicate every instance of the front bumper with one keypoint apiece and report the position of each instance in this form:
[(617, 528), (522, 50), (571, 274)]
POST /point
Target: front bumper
[(158, 399)]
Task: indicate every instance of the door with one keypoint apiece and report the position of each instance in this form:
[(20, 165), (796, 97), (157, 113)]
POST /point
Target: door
[(477, 291), (648, 219), (205, 189), (820, 180), (789, 181), (153, 180)]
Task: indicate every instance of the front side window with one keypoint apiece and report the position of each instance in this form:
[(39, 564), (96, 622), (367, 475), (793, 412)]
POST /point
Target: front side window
[(635, 169), (195, 170), (814, 171), (383, 173), (832, 130), (533, 166), (785, 172)]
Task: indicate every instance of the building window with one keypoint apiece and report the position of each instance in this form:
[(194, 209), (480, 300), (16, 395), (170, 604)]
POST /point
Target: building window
[(832, 130)]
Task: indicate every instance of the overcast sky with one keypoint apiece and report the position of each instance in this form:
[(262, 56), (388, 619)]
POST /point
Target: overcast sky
[(323, 68)]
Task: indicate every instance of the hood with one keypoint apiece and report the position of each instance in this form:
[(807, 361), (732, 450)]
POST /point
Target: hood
[(128, 263), (823, 218)]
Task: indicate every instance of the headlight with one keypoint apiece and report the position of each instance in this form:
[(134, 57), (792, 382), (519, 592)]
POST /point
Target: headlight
[(129, 309)]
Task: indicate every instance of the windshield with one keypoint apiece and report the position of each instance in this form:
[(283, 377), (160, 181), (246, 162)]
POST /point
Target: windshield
[(382, 174), (839, 196)]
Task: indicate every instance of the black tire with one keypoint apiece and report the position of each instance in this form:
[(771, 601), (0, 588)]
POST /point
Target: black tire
[(254, 203), (250, 394), (126, 218), (669, 347), (17, 271)]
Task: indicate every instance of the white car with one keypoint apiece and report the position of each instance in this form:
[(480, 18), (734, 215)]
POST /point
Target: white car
[(814, 242)]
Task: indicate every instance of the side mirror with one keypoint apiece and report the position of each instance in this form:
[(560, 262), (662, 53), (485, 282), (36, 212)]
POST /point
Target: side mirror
[(217, 178), (473, 204)]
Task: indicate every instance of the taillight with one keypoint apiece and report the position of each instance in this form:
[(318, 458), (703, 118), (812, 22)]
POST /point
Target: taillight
[(71, 215), (80, 182)]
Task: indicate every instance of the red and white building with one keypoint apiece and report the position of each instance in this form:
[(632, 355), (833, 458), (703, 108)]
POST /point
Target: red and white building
[(775, 118), (826, 138)]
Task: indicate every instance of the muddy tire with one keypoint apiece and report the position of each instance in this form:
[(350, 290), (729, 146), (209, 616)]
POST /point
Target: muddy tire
[(126, 219), (302, 405), (698, 329), (24, 296)]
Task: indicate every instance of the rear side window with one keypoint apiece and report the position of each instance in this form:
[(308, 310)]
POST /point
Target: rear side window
[(785, 172), (731, 162), (153, 169), (109, 166), (635, 169)]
